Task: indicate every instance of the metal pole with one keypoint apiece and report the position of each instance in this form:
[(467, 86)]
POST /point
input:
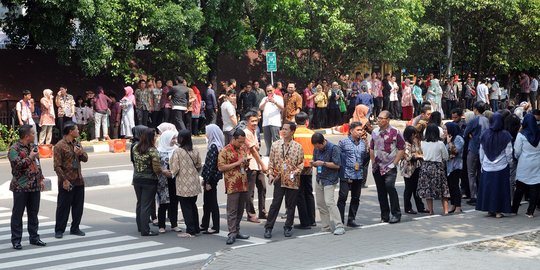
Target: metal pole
[(272, 77)]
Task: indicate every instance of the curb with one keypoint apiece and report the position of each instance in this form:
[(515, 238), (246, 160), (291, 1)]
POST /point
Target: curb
[(90, 180)]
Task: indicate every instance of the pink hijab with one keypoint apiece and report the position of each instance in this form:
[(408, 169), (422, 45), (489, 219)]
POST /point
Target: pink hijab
[(129, 94)]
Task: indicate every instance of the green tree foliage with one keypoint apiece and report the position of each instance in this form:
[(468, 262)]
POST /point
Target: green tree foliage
[(313, 38)]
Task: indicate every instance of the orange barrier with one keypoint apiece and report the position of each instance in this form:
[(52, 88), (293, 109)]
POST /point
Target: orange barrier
[(45, 150), (117, 145)]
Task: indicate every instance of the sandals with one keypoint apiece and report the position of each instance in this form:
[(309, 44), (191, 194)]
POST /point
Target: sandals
[(185, 235), (499, 215)]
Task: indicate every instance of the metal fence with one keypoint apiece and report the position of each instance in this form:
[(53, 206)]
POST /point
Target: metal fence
[(6, 107)]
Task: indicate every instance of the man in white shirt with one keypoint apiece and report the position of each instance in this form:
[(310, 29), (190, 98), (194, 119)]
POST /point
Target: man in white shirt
[(271, 106), (533, 93), (494, 95), (482, 92), (228, 115), (25, 109)]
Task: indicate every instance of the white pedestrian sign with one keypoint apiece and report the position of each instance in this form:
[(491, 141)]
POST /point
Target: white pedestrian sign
[(271, 64)]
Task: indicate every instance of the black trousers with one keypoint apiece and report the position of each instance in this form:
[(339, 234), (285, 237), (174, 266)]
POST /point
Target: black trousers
[(162, 213), (355, 187), (69, 201), (334, 117), (411, 183), (166, 113), (210, 115), (386, 189), (173, 203), (177, 118), (454, 189), (187, 120), (256, 179), (306, 201), (145, 198), (61, 123), (142, 117), (190, 213), (534, 195), (290, 204), (156, 118), (195, 126), (210, 209), (30, 201)]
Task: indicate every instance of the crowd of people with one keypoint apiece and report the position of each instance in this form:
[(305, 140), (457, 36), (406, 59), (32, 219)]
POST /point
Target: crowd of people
[(480, 154)]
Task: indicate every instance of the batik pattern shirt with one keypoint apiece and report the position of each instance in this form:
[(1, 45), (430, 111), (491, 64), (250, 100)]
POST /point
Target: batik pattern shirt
[(67, 164), (352, 158), (286, 162), (386, 144), (143, 97), (26, 172), (235, 180)]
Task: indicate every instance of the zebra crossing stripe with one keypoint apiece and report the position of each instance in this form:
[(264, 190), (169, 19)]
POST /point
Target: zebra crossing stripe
[(161, 263), (8, 221), (66, 238), (80, 254), (65, 247), (4, 209), (41, 232), (117, 259), (41, 224)]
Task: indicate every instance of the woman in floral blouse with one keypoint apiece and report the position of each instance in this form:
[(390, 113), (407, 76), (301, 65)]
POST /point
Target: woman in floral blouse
[(410, 169), (185, 164), (145, 178), (166, 147)]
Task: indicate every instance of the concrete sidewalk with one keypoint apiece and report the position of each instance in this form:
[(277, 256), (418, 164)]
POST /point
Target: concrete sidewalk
[(375, 243)]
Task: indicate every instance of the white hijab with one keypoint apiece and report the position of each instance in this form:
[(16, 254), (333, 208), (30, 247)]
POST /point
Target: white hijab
[(215, 136), (166, 126), (164, 145)]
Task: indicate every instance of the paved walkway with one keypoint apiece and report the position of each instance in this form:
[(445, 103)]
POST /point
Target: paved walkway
[(376, 243)]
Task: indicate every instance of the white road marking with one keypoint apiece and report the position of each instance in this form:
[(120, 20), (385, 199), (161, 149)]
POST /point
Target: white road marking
[(107, 167), (66, 238), (41, 225), (96, 207), (480, 239), (4, 209), (41, 232), (112, 240), (117, 259), (8, 221), (426, 217), (79, 254), (160, 263), (313, 234)]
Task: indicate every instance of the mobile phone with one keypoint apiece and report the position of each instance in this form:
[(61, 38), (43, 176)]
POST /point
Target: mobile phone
[(36, 148)]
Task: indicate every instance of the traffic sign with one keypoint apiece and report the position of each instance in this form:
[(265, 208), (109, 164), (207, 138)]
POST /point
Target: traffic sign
[(271, 62)]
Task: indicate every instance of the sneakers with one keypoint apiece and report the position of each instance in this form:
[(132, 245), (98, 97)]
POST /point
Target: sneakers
[(176, 229), (339, 231), (161, 230)]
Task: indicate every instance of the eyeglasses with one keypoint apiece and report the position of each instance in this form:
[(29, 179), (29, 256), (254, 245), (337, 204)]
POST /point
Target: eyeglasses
[(381, 118)]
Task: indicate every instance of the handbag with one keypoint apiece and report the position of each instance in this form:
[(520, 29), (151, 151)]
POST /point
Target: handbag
[(342, 105)]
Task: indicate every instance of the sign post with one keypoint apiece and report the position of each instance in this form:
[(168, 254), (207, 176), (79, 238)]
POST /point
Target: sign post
[(271, 64)]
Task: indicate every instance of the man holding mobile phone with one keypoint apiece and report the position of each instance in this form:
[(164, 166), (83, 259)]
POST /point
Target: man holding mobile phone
[(26, 185), (68, 155)]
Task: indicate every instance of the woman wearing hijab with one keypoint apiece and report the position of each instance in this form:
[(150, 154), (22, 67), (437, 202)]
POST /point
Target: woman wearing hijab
[(407, 101), (166, 147), (495, 158), (127, 103), (166, 126), (526, 150), (185, 164), (455, 145), (46, 121), (211, 176)]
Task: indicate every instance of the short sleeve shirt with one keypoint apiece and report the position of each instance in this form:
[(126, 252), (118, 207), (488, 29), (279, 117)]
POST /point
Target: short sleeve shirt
[(227, 110), (235, 180), (386, 144), (251, 141), (271, 112)]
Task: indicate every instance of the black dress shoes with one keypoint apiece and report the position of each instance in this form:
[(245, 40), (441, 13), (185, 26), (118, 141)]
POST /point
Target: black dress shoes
[(268, 233), (242, 236), (352, 224), (394, 220), (302, 227), (150, 233), (231, 240), (58, 235), (17, 246), (38, 243), (287, 231), (78, 233), (412, 212)]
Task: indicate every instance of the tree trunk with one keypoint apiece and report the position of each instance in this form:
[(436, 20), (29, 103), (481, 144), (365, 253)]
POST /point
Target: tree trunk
[(449, 45)]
